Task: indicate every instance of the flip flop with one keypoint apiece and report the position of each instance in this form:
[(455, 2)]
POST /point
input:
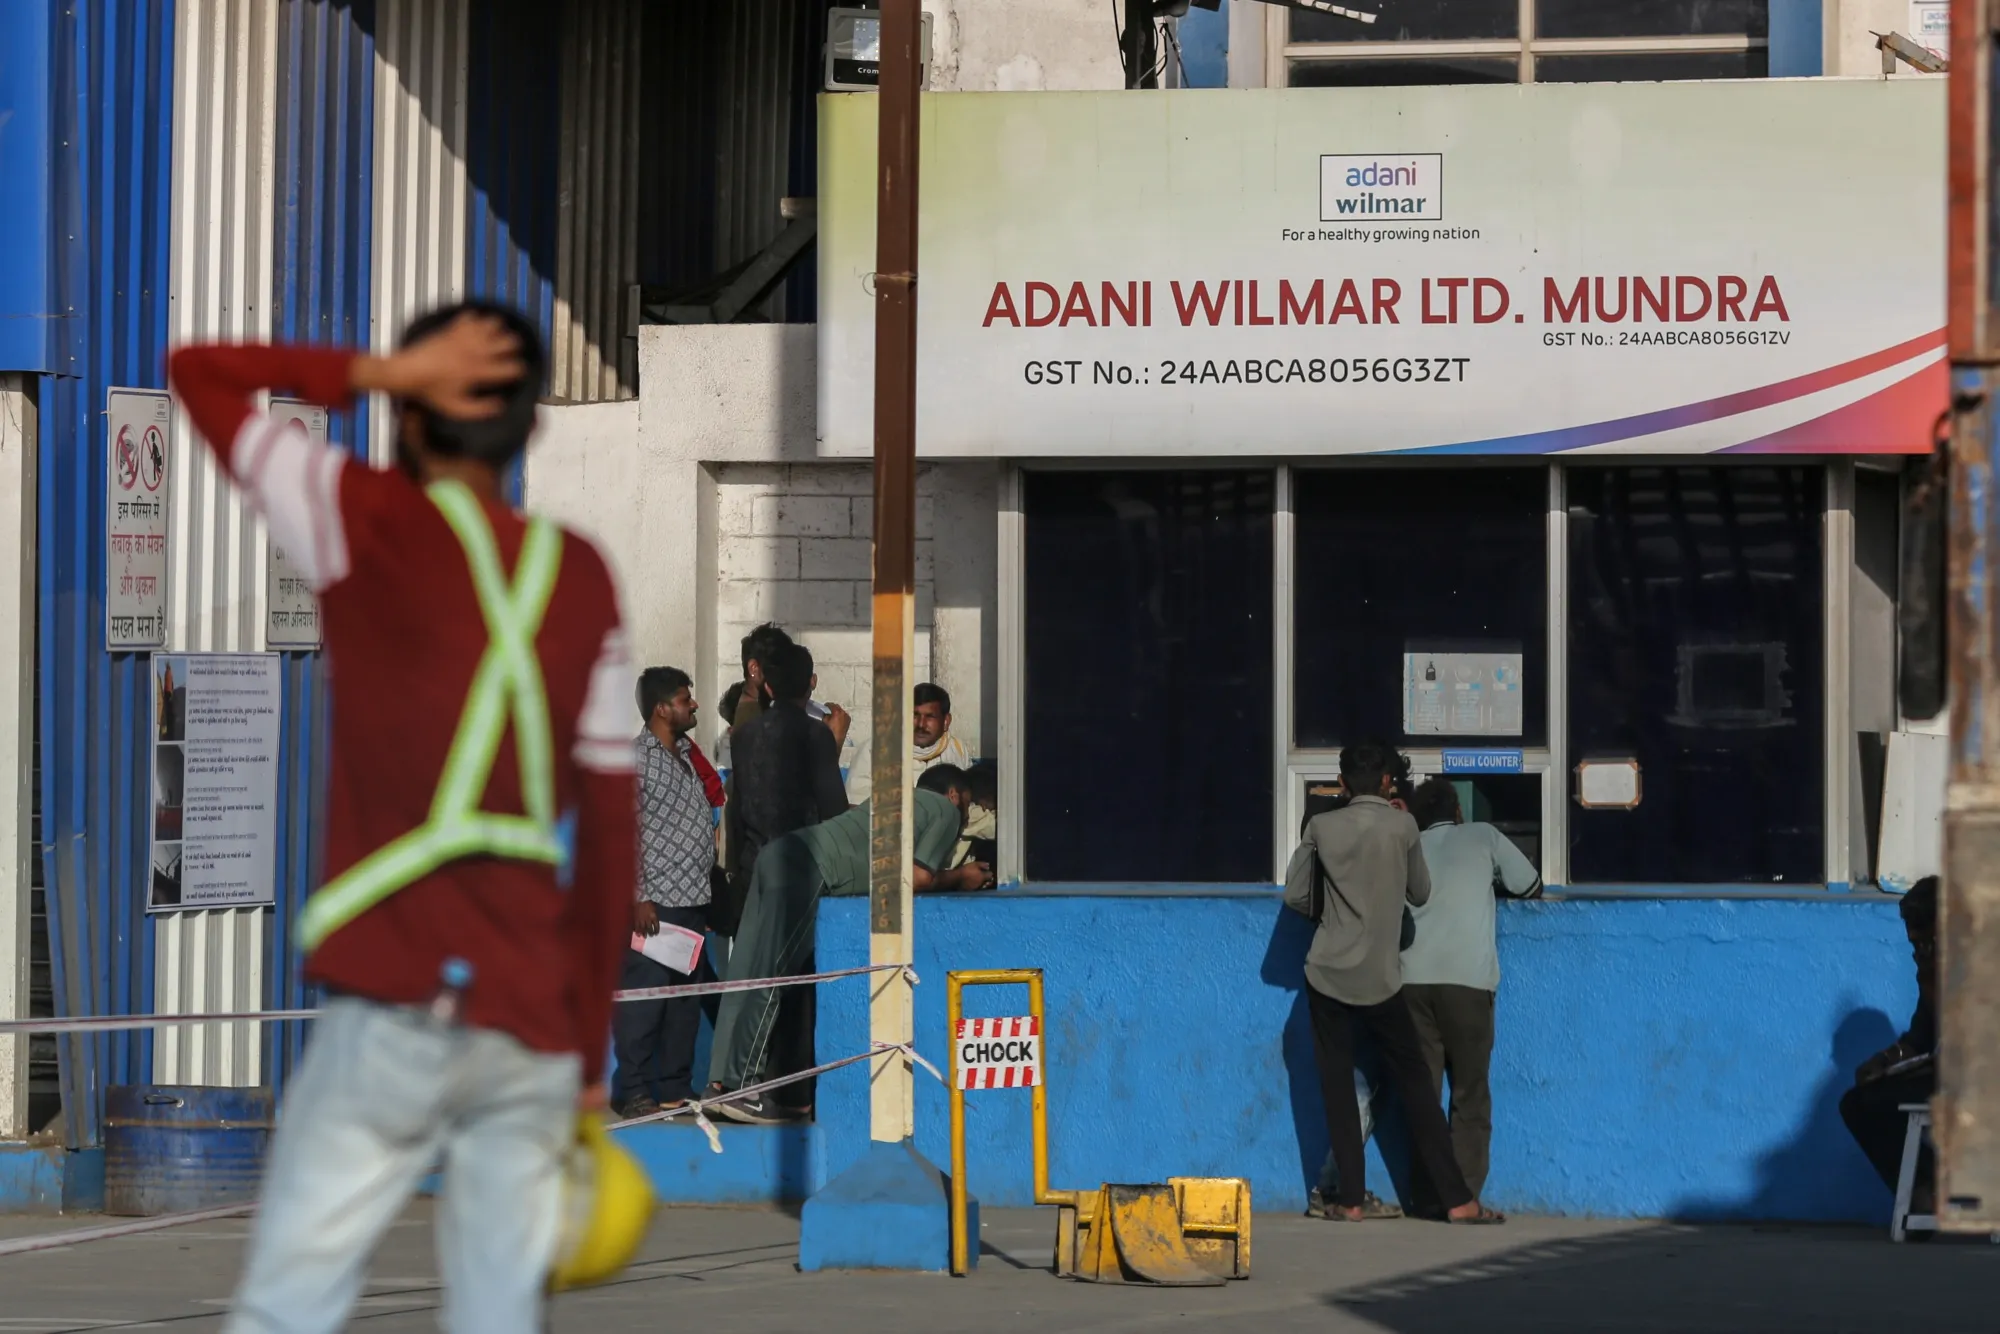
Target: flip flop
[(1485, 1216)]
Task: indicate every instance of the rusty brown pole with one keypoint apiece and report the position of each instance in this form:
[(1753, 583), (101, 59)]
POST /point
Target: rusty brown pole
[(890, 1017), (1966, 1113)]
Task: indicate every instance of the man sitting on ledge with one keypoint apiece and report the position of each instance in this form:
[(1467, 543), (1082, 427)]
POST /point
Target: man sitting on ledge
[(780, 922)]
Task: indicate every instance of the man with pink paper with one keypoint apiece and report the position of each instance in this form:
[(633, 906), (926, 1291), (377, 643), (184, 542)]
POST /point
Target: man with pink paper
[(654, 1039)]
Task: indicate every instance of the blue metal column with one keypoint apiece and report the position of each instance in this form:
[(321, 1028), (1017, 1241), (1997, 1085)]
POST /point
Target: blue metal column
[(110, 66)]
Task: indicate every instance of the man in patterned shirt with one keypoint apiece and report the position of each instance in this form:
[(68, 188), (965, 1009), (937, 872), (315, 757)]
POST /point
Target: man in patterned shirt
[(655, 1038)]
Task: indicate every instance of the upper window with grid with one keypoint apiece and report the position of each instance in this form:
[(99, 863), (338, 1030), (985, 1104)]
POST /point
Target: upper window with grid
[(1527, 41)]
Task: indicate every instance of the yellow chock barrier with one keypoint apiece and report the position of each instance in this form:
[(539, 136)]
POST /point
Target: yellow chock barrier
[(1189, 1232), (1211, 1233), (1135, 1237), (1215, 1220)]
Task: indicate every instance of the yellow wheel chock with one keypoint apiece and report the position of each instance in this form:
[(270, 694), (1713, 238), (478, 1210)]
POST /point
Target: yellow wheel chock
[(1190, 1232)]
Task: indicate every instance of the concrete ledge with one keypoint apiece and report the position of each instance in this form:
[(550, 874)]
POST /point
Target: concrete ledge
[(890, 1210), (49, 1179), (757, 1165)]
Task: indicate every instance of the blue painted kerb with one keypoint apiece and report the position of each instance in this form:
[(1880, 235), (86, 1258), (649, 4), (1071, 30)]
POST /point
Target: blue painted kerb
[(890, 1209), (49, 1179)]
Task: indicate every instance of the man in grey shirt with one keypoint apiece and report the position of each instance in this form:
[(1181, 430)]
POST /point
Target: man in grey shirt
[(1452, 968), (1369, 861)]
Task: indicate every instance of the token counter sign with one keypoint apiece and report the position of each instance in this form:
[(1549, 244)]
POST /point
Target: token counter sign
[(998, 1053)]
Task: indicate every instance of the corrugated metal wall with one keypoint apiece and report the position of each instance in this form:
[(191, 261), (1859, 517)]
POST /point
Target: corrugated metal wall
[(595, 354), (224, 117), (420, 107), (513, 133), (324, 171), (112, 72), (729, 102), (311, 182)]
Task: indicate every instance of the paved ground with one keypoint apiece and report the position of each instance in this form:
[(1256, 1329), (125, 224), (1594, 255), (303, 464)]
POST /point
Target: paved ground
[(721, 1270)]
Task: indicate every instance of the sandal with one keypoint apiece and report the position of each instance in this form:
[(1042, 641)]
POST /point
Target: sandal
[(1485, 1217)]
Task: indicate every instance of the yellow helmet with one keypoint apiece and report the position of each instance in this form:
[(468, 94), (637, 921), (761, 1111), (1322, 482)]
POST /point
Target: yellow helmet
[(607, 1202)]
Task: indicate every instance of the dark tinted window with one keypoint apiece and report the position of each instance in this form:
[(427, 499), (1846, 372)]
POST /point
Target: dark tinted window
[(1652, 66), (1396, 73), (1148, 665), (1649, 18), (1406, 560), (1695, 631), (1411, 20)]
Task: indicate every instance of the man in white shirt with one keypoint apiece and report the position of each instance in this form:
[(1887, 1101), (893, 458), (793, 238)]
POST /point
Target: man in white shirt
[(1451, 971), (931, 741)]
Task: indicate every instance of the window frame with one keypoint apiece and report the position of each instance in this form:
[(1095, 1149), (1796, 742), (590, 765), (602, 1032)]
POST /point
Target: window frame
[(1292, 766), (1283, 53)]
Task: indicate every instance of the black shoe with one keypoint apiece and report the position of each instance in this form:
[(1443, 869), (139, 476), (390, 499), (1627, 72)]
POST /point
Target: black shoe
[(642, 1104), (755, 1112)]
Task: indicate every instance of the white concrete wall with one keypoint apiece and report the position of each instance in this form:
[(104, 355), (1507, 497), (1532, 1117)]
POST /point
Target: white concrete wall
[(1849, 28), (1022, 46), (709, 500)]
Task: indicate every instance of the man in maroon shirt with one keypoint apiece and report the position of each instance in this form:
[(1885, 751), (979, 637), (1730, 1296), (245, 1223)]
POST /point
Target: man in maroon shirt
[(479, 686)]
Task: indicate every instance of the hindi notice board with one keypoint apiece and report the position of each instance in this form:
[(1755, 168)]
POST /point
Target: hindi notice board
[(138, 431), (215, 779), (291, 612), (1461, 693)]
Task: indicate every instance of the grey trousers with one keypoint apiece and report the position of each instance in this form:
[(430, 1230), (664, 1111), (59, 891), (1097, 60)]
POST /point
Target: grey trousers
[(1455, 1031), (774, 939)]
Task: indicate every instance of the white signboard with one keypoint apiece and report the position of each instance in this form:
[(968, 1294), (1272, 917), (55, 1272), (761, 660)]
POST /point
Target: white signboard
[(1462, 694), (1560, 268), (997, 1053), (215, 779), (291, 612), (138, 433)]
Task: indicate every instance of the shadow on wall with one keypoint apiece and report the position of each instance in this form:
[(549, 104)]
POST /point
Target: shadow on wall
[(1818, 1171), (1283, 968), (1720, 1280), (1815, 1172)]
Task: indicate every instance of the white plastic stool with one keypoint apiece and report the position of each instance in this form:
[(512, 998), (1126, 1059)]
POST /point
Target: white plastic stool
[(1902, 1222)]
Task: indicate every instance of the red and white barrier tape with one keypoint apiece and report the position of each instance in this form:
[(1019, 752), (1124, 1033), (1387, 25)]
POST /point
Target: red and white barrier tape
[(50, 1241), (116, 1023), (698, 1107)]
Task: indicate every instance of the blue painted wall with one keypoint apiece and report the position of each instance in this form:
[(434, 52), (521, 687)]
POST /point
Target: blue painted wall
[(1657, 1057), (1204, 39), (1797, 47)]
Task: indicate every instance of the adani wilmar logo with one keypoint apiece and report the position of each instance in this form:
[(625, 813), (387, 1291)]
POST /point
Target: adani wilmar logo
[(1378, 187)]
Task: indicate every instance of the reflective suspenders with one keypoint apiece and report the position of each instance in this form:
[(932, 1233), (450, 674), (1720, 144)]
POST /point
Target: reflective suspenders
[(508, 682)]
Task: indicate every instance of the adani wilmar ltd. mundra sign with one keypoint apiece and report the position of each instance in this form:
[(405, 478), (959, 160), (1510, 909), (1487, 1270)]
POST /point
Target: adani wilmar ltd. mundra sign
[(1616, 268)]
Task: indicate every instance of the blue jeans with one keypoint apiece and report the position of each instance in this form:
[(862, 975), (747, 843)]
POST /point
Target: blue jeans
[(383, 1096)]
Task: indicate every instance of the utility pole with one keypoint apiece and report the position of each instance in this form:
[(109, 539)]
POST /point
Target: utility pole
[(890, 1014), (1966, 1112), (1138, 44)]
